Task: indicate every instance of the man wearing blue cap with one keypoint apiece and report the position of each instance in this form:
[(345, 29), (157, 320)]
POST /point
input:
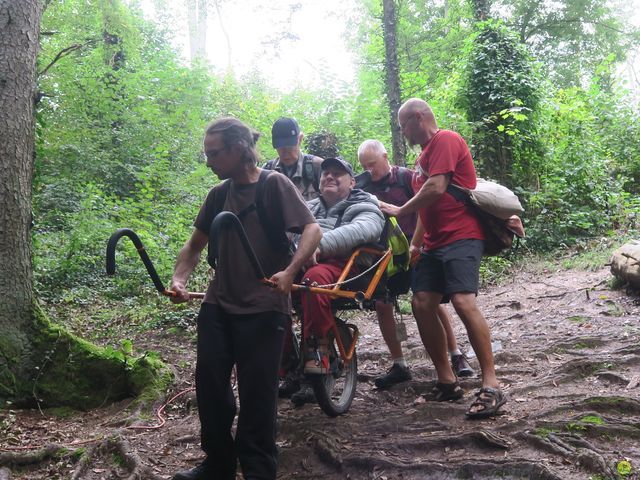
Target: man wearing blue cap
[(301, 168), (304, 171)]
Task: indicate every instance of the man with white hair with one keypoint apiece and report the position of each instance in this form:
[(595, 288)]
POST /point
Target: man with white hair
[(392, 184)]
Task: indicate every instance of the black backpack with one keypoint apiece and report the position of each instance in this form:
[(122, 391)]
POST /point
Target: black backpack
[(408, 188), (310, 170), (272, 225)]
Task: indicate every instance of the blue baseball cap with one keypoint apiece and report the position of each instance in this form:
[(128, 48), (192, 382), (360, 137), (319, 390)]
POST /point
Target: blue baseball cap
[(337, 162), (284, 133)]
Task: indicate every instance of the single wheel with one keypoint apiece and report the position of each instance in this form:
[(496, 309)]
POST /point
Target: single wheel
[(335, 390)]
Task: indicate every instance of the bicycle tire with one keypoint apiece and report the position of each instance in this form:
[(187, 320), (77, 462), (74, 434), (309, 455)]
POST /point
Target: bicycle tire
[(335, 391)]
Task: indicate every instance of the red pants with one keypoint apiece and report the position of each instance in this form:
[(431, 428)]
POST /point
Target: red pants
[(316, 309)]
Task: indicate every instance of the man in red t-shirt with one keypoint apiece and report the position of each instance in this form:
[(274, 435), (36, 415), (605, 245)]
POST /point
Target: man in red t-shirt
[(451, 251)]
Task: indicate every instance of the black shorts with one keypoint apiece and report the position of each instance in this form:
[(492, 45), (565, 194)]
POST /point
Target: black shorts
[(454, 268)]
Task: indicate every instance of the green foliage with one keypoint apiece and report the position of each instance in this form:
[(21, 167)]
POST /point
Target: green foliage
[(120, 129), (544, 432), (624, 468), (495, 269), (581, 192), (571, 38), (118, 144), (593, 419), (500, 95)]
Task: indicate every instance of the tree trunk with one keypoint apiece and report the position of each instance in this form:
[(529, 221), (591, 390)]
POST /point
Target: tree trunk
[(39, 362), (481, 9), (19, 27), (392, 78), (197, 17)]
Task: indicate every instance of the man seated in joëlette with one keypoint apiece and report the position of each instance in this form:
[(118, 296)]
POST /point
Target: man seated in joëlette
[(348, 217)]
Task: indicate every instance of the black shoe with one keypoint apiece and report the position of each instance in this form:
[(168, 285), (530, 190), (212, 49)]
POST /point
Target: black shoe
[(289, 385), (443, 392), (200, 472), (461, 366), (304, 395), (396, 374)]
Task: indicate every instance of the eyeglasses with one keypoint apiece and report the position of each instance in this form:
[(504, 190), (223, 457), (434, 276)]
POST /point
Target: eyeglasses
[(212, 154)]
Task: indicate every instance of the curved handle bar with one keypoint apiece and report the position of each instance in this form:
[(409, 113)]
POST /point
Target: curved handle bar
[(222, 220), (111, 260)]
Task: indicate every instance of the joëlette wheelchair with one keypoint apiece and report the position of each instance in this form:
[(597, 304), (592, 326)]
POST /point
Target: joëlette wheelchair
[(334, 391)]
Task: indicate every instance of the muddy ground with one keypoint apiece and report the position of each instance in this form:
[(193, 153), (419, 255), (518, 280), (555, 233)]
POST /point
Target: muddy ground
[(567, 350)]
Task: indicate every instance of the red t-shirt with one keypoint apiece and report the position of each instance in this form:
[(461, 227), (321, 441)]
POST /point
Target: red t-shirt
[(447, 220)]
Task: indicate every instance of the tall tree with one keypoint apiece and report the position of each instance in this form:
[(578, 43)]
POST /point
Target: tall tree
[(571, 38), (501, 99), (19, 27), (197, 17), (38, 361), (392, 78)]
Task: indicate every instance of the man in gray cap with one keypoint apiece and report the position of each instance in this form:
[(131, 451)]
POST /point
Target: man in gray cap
[(301, 168), (348, 217)]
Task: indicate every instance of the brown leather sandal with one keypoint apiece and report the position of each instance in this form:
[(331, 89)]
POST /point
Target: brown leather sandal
[(488, 401)]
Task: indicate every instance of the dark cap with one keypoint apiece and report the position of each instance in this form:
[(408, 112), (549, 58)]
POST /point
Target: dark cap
[(337, 162), (284, 133)]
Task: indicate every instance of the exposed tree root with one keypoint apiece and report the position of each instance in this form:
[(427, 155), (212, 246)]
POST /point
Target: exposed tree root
[(329, 452), (573, 449), (441, 441), (32, 457), (515, 467), (120, 446), (581, 343), (603, 405)]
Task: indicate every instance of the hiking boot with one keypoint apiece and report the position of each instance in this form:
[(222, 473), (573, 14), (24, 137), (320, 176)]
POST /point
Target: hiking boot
[(304, 395), (461, 366), (396, 374), (200, 472), (289, 385)]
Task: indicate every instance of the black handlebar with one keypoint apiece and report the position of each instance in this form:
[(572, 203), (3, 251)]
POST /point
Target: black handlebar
[(111, 256), (221, 221)]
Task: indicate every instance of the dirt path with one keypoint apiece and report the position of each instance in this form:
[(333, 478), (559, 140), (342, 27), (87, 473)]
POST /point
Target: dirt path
[(567, 351)]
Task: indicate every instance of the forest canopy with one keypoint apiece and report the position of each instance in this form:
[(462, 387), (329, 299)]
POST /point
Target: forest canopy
[(534, 87)]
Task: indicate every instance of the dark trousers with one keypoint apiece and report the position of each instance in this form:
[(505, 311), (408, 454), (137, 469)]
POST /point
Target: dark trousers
[(254, 344)]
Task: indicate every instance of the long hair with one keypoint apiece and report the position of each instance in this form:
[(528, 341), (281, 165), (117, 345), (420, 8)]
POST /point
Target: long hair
[(234, 132)]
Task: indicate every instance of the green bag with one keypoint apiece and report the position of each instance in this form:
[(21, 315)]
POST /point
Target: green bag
[(397, 241)]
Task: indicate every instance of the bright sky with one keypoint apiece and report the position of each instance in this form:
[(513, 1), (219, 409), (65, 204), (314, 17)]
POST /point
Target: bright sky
[(315, 53)]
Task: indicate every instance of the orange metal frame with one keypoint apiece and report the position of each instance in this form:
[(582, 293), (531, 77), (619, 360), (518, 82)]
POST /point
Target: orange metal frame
[(337, 292)]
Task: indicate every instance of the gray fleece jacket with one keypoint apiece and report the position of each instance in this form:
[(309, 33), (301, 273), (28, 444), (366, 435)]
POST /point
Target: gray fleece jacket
[(362, 222)]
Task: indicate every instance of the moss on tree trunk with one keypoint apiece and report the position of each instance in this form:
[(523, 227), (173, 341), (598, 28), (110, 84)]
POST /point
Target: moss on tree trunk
[(66, 370)]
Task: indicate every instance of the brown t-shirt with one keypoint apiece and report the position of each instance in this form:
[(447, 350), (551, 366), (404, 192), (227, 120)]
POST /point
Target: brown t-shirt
[(235, 286)]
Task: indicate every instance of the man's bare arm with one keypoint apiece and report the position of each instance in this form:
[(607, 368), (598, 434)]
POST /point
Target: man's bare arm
[(432, 189), (186, 262), (416, 241), (309, 241)]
